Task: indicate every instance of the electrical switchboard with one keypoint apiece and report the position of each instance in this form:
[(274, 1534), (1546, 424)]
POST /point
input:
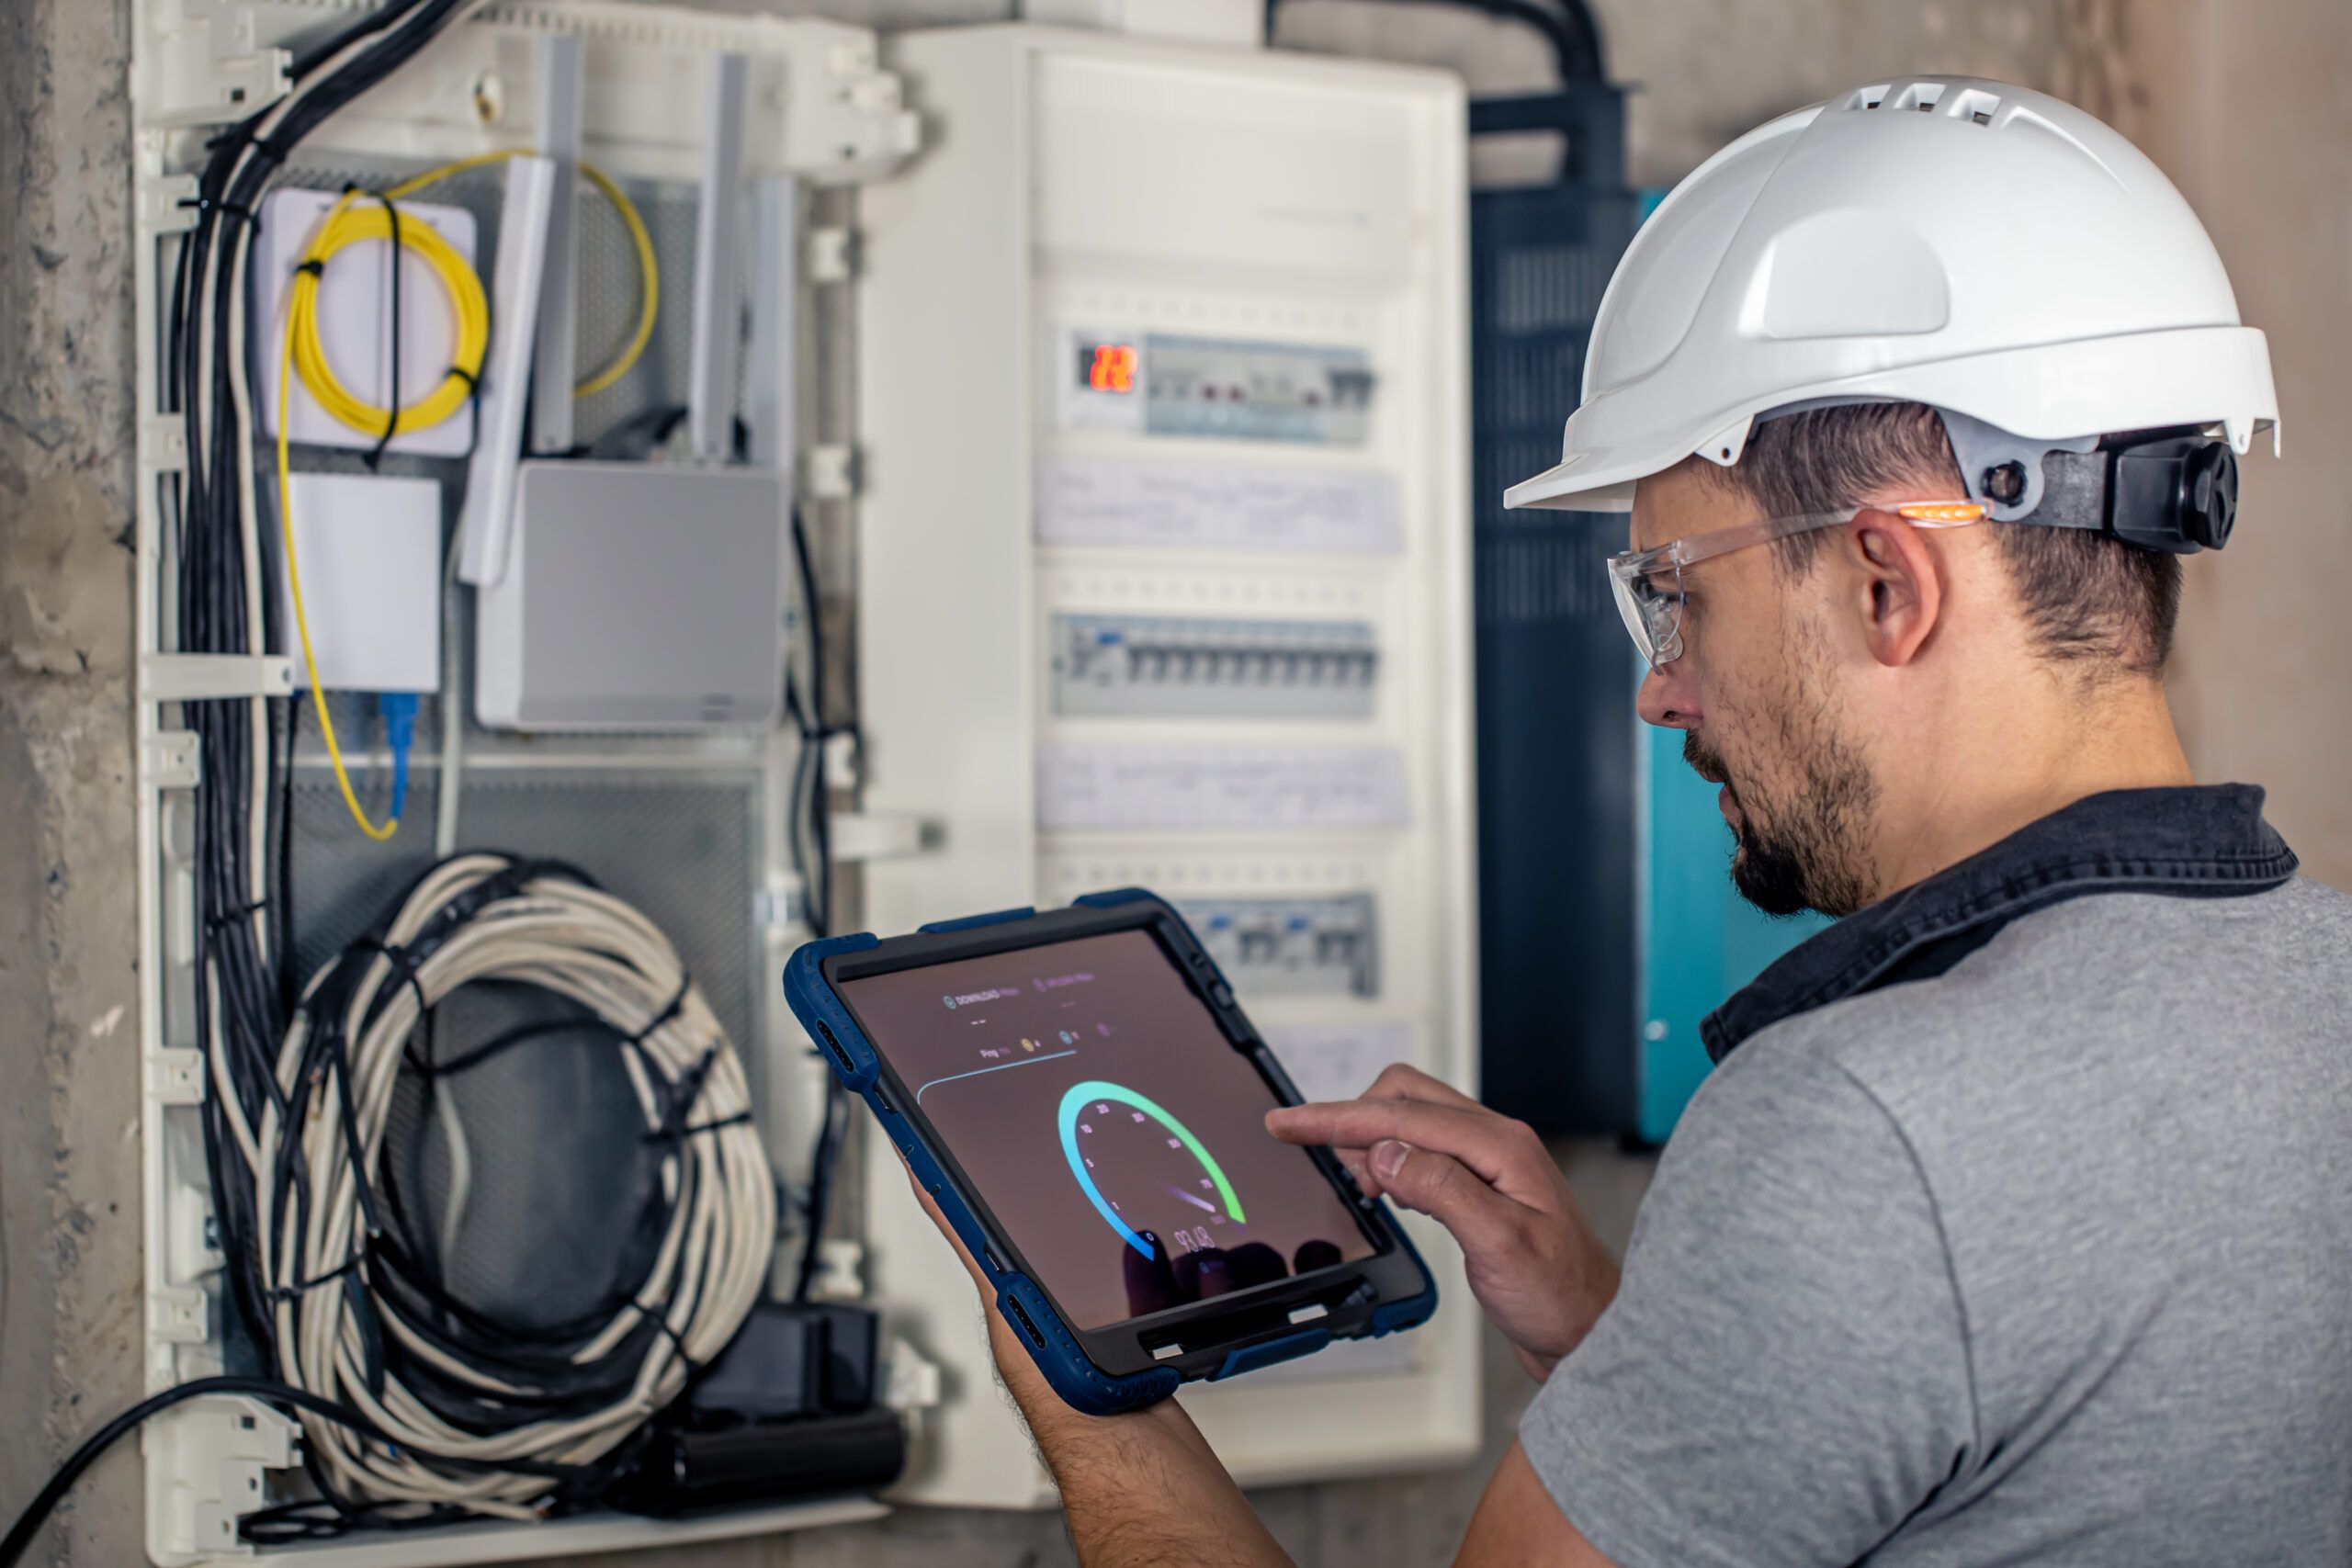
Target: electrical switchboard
[(1183, 602)]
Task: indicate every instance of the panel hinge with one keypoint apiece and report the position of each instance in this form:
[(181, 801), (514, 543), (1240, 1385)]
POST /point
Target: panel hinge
[(833, 254), (167, 203), (210, 677), (163, 444), (218, 1453), (846, 117), (834, 472), (862, 836), (909, 1381), (175, 1075), (174, 759), (206, 66), (781, 909), (178, 1315)]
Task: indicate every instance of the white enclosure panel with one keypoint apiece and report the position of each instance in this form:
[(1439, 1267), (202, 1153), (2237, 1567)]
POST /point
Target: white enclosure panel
[(819, 109), (1159, 339)]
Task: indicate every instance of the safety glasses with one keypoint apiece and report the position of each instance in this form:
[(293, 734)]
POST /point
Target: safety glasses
[(1648, 583)]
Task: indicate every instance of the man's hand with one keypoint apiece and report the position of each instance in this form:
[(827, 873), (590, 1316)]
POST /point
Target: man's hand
[(1140, 1490), (1145, 1489), (1534, 1262)]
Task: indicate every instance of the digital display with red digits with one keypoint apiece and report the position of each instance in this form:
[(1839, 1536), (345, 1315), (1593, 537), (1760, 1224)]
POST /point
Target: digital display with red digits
[(1108, 367)]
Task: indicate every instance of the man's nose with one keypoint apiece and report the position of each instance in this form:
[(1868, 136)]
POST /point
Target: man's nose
[(1667, 700)]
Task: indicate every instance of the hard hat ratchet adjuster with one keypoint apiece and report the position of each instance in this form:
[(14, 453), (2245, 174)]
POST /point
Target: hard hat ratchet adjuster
[(2173, 490)]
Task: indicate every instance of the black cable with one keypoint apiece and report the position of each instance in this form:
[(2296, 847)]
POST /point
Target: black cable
[(241, 1005), (290, 984), (809, 790), (821, 1166), (374, 22), (20, 1534), (818, 732), (374, 456)]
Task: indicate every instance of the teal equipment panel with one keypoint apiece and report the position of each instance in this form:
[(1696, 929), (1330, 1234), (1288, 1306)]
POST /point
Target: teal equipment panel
[(1701, 940)]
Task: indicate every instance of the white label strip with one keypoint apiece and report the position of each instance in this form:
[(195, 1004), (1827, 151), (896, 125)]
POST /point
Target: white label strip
[(1128, 788), (1338, 1061), (1192, 505)]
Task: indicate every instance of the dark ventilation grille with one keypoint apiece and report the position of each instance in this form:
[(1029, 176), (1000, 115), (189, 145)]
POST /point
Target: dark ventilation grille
[(1556, 670), (1547, 574)]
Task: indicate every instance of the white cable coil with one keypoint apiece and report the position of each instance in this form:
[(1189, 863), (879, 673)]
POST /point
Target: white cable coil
[(711, 1263)]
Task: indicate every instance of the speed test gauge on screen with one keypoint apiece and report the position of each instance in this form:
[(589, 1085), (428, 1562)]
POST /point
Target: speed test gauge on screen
[(1082, 1097)]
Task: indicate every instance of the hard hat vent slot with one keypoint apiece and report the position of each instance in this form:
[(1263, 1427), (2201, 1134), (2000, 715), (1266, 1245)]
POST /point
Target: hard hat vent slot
[(1977, 105), (1864, 97), (1921, 95)]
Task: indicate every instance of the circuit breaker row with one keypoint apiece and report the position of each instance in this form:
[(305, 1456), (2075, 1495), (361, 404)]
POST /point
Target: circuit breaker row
[(1171, 667)]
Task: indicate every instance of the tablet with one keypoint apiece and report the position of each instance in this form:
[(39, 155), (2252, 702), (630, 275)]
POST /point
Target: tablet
[(1086, 1102)]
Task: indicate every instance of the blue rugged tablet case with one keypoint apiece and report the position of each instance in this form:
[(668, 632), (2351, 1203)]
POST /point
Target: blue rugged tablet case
[(1081, 1385)]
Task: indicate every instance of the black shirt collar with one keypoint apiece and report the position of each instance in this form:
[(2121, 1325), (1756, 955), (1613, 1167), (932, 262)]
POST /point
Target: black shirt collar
[(2208, 842)]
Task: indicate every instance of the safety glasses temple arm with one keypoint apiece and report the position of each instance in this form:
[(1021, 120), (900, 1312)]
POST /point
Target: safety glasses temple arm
[(1703, 547)]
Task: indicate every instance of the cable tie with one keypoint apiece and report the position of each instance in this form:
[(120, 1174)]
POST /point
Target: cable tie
[(677, 1001), (680, 1135), (502, 883), (404, 964), (316, 266), (204, 204), (270, 153), (660, 1322), (687, 1090), (230, 916), (293, 1293), (472, 381)]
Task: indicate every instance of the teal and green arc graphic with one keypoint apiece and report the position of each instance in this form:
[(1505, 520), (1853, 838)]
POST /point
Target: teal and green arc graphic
[(1074, 1101)]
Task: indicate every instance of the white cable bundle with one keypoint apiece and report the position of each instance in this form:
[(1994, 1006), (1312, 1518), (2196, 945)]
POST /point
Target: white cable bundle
[(540, 927)]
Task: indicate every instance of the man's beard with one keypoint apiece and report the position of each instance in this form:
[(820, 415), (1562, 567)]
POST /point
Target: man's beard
[(1811, 854)]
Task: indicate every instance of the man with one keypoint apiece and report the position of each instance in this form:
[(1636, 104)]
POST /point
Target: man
[(2016, 1224)]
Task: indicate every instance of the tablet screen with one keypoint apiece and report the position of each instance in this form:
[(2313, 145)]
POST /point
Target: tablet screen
[(1100, 1114)]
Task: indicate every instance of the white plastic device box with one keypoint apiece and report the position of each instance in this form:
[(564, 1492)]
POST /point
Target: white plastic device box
[(368, 547), (1090, 189), (636, 597), (354, 321), (820, 110)]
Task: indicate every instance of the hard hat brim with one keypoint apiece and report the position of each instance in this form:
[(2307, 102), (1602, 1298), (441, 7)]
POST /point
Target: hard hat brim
[(1582, 484), (2060, 391)]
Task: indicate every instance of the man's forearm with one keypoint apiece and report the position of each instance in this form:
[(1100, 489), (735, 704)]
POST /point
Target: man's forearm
[(1141, 1488)]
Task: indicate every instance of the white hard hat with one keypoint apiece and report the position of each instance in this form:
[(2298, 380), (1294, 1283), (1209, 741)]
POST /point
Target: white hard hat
[(1989, 251)]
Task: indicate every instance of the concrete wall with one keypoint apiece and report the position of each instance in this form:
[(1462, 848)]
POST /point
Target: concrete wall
[(69, 1103), (2249, 109), (2253, 119)]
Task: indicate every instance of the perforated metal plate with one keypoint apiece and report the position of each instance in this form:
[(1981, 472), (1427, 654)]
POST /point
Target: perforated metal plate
[(554, 1136)]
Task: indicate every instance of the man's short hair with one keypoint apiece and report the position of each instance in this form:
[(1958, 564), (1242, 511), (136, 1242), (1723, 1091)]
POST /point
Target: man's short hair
[(2086, 596)]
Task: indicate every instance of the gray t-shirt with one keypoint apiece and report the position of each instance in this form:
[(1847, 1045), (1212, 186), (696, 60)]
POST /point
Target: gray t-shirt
[(2045, 1260)]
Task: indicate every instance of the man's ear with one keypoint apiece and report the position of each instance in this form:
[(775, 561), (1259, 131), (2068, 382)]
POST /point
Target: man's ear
[(1901, 579)]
